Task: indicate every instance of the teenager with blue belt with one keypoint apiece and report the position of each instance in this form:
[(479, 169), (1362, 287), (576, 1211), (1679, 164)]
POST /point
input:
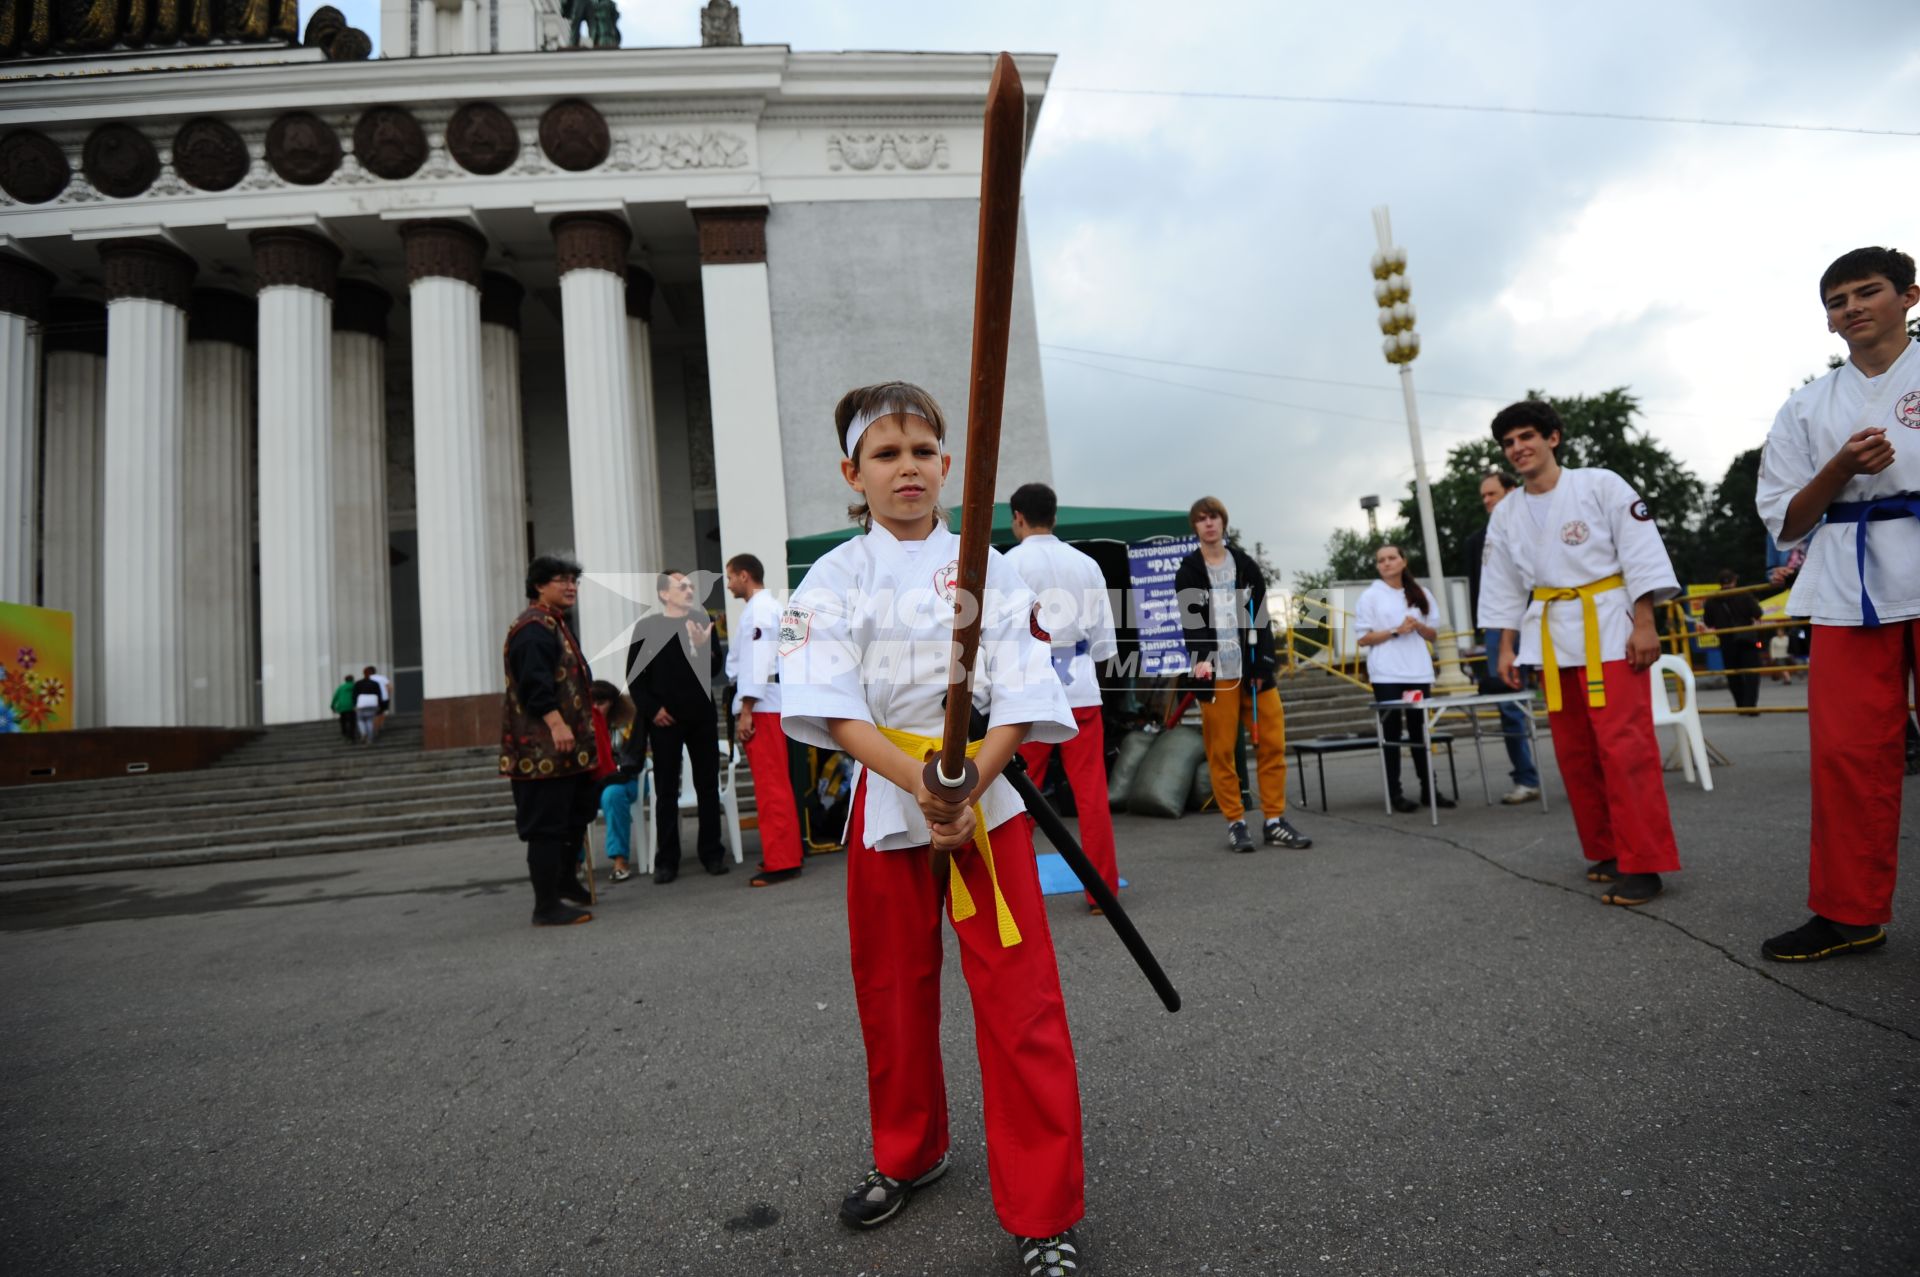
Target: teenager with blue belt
[(1846, 448)]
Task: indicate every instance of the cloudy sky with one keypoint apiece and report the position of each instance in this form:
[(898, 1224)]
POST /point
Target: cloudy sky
[(1570, 254)]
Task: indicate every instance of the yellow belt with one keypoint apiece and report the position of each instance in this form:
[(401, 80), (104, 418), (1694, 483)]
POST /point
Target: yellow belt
[(922, 748), (1548, 595)]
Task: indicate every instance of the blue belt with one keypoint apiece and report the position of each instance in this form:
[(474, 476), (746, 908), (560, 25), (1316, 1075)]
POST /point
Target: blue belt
[(1903, 505), (1063, 660)]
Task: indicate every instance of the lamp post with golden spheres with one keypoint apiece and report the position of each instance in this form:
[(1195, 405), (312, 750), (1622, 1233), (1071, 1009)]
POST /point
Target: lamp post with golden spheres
[(1401, 345)]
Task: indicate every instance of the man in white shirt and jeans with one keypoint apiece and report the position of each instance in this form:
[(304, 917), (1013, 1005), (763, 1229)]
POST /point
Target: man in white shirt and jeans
[(1076, 617)]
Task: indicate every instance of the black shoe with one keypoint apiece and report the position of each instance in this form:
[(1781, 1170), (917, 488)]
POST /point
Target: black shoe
[(1404, 804), (1602, 870), (1821, 938), (1237, 836), (769, 877), (717, 868), (878, 1198), (561, 916), (665, 874), (1055, 1256), (1278, 833), (571, 888), (1632, 889), (1441, 801)]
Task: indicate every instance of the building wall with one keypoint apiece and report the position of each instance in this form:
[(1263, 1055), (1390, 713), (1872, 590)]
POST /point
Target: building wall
[(880, 291)]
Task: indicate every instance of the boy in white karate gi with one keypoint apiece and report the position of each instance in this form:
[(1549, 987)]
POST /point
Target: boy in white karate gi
[(1842, 467), (1077, 617), (1574, 565), (866, 644)]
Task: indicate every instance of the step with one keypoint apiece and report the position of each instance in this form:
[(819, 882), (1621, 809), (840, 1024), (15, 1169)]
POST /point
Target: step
[(232, 780), (262, 850), (118, 823), (375, 827)]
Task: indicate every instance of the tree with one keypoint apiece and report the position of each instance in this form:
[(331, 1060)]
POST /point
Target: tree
[(1731, 534)]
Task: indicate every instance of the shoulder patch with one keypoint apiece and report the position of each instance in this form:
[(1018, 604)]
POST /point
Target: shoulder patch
[(795, 624), (1640, 511)]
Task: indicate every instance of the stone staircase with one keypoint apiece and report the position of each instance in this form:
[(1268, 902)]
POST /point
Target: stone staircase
[(293, 791), (1319, 704)]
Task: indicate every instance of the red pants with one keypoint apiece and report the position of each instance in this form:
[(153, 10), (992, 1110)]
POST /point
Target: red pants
[(1029, 1087), (1610, 764), (773, 794), (1085, 758), (1856, 717)]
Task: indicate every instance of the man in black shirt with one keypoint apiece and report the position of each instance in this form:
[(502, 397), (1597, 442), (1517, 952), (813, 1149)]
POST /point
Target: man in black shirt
[(670, 667), (1738, 651), (547, 746)]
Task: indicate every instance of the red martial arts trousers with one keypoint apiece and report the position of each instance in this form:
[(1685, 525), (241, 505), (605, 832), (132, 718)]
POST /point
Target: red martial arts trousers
[(1856, 718), (1029, 1087), (773, 794), (1610, 763), (1085, 758)]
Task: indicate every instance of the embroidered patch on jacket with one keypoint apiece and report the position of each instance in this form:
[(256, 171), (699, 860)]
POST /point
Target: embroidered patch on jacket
[(1575, 532), (795, 623), (1907, 411), (1640, 511), (947, 581)]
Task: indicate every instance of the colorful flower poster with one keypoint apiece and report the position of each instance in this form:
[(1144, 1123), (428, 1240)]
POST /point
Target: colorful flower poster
[(36, 669)]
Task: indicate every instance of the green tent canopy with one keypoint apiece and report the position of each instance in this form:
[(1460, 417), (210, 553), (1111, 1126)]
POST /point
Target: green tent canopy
[(1074, 523)]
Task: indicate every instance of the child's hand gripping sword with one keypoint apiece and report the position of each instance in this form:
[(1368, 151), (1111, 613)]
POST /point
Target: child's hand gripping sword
[(1006, 125)]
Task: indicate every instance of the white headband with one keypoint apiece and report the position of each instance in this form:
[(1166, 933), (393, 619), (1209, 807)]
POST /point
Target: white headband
[(860, 423)]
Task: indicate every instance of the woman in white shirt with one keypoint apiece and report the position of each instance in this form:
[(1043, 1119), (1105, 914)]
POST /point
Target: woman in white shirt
[(1394, 617)]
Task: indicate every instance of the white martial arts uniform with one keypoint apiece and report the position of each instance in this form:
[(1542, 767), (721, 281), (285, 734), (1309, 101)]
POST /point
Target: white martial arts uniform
[(1075, 611), (1813, 425), (868, 636), (753, 659), (1593, 525)]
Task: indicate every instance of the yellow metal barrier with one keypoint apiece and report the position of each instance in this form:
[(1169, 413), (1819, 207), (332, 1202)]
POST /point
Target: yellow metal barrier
[(1683, 628)]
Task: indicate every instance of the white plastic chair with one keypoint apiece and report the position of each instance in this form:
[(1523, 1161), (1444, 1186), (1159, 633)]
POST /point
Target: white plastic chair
[(1684, 717), (689, 801), (639, 825)]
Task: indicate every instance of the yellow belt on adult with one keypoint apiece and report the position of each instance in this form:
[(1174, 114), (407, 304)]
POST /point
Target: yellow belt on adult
[(1548, 595), (921, 748)]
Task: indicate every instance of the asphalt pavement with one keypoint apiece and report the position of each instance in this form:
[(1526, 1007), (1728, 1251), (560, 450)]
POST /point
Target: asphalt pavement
[(1408, 1050)]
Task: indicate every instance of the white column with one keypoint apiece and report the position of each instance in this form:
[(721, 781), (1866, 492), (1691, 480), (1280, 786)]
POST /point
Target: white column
[(76, 414), (362, 597), (500, 297), (646, 474), (749, 471), (143, 630), (298, 671), (459, 636), (470, 27), (24, 290), (601, 444), (216, 490), (428, 20)]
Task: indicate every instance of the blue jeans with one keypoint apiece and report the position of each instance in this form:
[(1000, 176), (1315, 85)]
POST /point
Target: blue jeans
[(616, 801), (1513, 718)]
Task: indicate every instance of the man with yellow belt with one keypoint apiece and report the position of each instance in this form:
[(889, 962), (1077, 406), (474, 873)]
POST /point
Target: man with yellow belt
[(1574, 567)]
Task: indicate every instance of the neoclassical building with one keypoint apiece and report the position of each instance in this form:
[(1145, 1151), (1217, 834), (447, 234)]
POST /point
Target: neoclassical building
[(302, 353)]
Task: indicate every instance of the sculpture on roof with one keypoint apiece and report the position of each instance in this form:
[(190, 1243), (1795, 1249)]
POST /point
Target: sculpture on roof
[(601, 18), (37, 28), (720, 25)]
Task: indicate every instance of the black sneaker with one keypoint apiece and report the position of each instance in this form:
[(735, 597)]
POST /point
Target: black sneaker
[(1631, 890), (1237, 837), (1404, 805), (1279, 833), (1821, 938), (561, 916), (1603, 870), (878, 1198), (1055, 1256), (1441, 801)]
